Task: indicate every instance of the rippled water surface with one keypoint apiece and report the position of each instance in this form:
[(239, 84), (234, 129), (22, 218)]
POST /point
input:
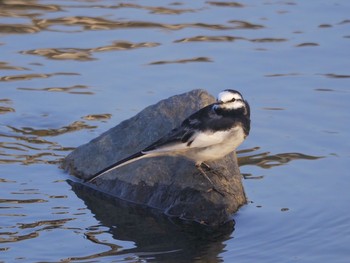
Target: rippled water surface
[(71, 69)]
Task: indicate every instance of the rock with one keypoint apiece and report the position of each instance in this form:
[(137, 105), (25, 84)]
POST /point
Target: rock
[(172, 184)]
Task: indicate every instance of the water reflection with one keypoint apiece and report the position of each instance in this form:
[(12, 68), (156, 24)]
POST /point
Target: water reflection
[(94, 117), (85, 54), (6, 109), (7, 66), (155, 236), (228, 39), (76, 89), (75, 126), (99, 23), (267, 160), (225, 4), (35, 76), (181, 61), (336, 76), (26, 145)]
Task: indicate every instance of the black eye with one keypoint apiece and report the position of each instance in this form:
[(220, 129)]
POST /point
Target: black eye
[(233, 99)]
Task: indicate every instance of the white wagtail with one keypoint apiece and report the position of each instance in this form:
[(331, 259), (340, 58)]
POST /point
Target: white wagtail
[(209, 134)]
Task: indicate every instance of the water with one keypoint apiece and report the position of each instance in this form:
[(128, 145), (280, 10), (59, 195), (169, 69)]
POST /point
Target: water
[(70, 70)]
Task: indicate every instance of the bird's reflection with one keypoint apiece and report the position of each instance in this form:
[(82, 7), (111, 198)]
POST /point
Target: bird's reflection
[(155, 235)]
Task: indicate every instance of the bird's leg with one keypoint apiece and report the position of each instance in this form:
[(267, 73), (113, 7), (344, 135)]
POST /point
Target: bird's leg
[(205, 165), (212, 170), (199, 167)]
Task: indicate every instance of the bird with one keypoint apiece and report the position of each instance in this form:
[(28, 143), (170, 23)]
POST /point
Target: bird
[(209, 134)]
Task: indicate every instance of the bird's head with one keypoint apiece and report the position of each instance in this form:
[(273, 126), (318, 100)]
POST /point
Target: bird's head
[(231, 100)]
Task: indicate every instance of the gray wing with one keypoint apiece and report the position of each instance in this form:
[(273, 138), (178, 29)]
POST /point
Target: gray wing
[(194, 132), (177, 139)]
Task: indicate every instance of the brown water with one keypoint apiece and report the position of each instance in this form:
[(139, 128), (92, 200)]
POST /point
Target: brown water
[(70, 70)]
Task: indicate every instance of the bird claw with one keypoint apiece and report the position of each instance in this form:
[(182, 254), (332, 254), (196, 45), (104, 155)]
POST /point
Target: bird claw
[(199, 167)]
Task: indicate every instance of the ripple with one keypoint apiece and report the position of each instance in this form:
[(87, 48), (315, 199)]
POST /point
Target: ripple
[(76, 89), (85, 54), (6, 66), (229, 39), (225, 4), (26, 145), (209, 39), (273, 108), (51, 223), (157, 10), (94, 117), (283, 74), (99, 23), (14, 237), (24, 5), (308, 44), (346, 21), (152, 9), (75, 126), (34, 76), (182, 61), (268, 40), (266, 160), (22, 201), (336, 76), (18, 29), (4, 110), (239, 24)]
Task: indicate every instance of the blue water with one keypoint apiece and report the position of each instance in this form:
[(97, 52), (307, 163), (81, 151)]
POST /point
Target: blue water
[(70, 70)]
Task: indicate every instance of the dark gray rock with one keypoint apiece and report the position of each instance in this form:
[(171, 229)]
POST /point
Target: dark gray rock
[(172, 184)]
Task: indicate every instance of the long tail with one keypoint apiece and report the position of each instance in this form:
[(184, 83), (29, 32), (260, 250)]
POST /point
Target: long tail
[(125, 161)]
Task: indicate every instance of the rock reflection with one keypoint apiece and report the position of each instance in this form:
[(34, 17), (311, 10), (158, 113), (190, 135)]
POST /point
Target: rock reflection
[(267, 160), (154, 235)]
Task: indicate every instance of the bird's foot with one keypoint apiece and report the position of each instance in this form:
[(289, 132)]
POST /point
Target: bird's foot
[(214, 188), (212, 170)]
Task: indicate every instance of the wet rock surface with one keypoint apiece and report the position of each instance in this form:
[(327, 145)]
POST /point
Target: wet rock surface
[(172, 184)]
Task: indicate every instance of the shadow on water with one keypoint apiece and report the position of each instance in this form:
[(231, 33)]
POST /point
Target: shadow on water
[(156, 236)]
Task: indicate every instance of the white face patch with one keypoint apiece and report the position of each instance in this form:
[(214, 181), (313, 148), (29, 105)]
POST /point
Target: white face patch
[(230, 100), (233, 105), (226, 96)]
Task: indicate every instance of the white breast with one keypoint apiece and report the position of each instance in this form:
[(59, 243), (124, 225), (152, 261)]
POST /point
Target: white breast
[(216, 145)]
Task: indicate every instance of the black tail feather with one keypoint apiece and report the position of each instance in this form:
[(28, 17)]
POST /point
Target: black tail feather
[(115, 165)]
